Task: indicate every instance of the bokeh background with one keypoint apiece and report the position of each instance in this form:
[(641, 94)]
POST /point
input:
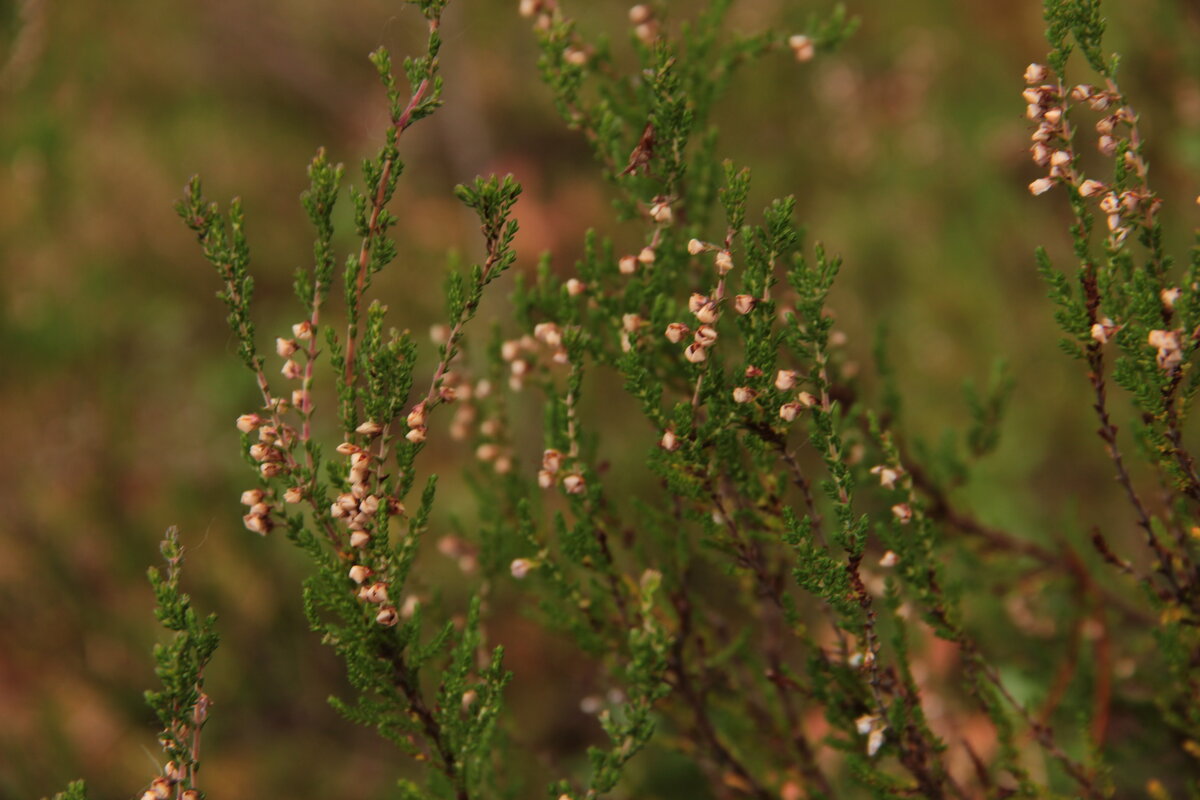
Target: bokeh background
[(118, 384)]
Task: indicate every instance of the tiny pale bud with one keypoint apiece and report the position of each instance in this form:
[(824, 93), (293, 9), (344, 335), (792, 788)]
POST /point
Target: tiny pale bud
[(488, 451), (369, 505), (807, 400), (902, 512), (889, 559), (1041, 186), (676, 332), (529, 8), (802, 46), (552, 460), (887, 476), (744, 303), (376, 593), (874, 741), (1032, 95), (1053, 115), (1170, 296), (646, 256), (575, 287), (285, 347), (575, 57), (1036, 73), (291, 370), (260, 525), (789, 411), (416, 417), (359, 539), (708, 313), (785, 380), (359, 573), (1034, 111), (545, 478), (252, 497), (669, 441), (743, 394), (631, 322), (1060, 158), (387, 617), (300, 399), (269, 469), (1107, 145), (660, 212), (1099, 101), (695, 353), (548, 333), (249, 422), (160, 788), (706, 336), (510, 349), (696, 302), (627, 265), (640, 14), (696, 247), (1091, 188), (521, 567), (416, 435), (574, 483), (369, 428), (303, 330), (1081, 92)]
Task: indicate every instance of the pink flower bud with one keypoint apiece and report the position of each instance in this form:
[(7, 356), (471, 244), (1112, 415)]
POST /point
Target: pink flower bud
[(521, 567), (785, 380), (574, 483), (359, 573), (802, 47), (1041, 186), (744, 303), (1036, 73), (252, 497), (575, 287), (285, 347), (387, 617), (249, 422), (627, 265), (789, 411), (669, 441), (696, 247), (676, 332), (646, 256), (359, 539), (743, 394), (695, 353)]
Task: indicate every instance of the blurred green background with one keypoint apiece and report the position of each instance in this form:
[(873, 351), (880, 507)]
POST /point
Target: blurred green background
[(118, 384)]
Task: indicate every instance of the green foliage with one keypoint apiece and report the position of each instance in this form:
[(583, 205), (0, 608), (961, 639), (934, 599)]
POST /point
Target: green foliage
[(787, 554)]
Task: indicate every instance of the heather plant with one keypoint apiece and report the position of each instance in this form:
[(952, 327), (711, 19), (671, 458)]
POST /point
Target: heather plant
[(765, 596)]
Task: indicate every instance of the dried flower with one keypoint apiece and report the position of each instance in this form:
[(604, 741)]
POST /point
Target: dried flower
[(695, 353), (303, 330), (574, 483), (293, 495), (1170, 352), (744, 303), (1036, 73), (387, 617), (285, 347)]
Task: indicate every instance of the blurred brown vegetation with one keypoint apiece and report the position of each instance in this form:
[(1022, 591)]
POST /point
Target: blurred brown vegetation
[(118, 387)]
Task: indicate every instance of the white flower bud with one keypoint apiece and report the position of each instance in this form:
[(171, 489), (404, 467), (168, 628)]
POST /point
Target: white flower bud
[(676, 332), (260, 525), (802, 46), (303, 330), (669, 441), (743, 394), (889, 559), (575, 57), (660, 212), (552, 460), (887, 475), (521, 567), (723, 261), (416, 417), (695, 353), (1041, 186), (1036, 73), (1060, 158), (706, 336), (548, 333), (574, 483)]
